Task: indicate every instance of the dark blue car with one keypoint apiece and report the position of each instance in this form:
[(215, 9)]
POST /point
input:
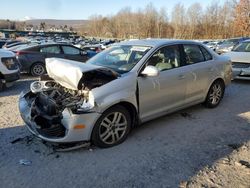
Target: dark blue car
[(32, 57)]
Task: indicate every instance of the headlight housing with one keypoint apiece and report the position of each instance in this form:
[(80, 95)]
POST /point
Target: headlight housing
[(88, 104), (10, 63), (39, 86)]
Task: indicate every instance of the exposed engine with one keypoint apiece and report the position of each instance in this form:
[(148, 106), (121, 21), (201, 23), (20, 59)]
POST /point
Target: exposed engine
[(53, 94), (49, 101)]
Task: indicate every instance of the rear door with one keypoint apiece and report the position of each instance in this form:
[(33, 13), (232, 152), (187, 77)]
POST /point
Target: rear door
[(166, 92), (200, 63), (73, 53)]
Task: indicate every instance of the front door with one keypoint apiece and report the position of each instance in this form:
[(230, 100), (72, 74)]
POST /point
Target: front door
[(166, 92)]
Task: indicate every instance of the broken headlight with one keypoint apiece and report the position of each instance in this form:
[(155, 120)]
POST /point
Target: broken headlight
[(39, 86), (88, 104), (10, 63)]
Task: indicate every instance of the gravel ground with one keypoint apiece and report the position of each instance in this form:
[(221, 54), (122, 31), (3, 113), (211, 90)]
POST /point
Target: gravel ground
[(196, 147)]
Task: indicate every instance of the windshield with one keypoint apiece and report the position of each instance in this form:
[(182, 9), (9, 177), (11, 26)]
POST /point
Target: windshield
[(211, 43), (243, 47), (230, 41), (120, 58)]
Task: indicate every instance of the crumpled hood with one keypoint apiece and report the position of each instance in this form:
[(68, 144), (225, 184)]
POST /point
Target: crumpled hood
[(68, 73)]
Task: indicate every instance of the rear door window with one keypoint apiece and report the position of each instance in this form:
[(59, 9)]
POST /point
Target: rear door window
[(70, 50), (206, 54), (34, 49), (50, 49), (193, 54)]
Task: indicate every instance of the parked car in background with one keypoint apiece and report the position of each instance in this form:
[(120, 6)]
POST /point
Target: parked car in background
[(240, 57), (14, 44), (16, 47), (106, 43), (96, 48), (213, 44), (229, 44), (32, 57), (2, 42), (9, 42), (129, 83), (9, 69)]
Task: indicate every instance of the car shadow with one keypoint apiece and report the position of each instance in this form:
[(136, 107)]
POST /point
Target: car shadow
[(241, 81), (159, 153), (20, 85), (195, 138)]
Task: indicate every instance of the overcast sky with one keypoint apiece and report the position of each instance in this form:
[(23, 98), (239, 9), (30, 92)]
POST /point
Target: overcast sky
[(80, 9)]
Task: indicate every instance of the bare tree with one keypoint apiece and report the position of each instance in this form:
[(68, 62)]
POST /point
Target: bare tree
[(194, 16), (214, 21), (178, 20), (242, 20)]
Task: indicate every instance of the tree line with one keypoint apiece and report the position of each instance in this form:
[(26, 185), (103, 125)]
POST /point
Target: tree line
[(231, 19), (19, 25)]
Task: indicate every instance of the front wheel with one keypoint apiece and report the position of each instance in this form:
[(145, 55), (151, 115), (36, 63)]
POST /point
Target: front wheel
[(112, 127), (215, 94)]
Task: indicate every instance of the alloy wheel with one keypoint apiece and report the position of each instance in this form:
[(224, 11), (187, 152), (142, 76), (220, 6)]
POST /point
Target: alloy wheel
[(113, 127), (216, 94), (38, 70)]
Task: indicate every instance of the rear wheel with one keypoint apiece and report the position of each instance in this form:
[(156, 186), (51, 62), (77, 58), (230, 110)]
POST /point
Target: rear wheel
[(38, 69), (215, 94), (112, 127)]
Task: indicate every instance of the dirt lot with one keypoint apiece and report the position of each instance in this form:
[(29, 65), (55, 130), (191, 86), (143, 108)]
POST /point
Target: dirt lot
[(197, 147)]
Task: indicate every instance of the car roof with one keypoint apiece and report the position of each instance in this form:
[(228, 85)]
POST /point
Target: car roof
[(54, 43), (155, 42), (248, 40)]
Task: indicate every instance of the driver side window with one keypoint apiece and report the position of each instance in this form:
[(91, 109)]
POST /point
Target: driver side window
[(165, 58)]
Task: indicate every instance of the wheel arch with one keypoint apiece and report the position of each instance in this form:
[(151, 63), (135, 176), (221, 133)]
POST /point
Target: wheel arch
[(211, 83), (131, 110), (36, 62), (218, 79)]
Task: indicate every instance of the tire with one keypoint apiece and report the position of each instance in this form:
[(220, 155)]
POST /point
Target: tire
[(215, 94), (1, 85), (107, 132), (37, 69)]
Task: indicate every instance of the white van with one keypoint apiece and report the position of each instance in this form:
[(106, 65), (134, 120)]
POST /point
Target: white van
[(9, 69)]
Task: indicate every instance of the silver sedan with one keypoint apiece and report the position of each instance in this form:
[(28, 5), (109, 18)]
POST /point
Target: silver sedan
[(125, 85), (240, 57)]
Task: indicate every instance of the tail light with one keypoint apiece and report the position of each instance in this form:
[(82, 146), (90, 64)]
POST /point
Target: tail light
[(98, 50), (20, 53)]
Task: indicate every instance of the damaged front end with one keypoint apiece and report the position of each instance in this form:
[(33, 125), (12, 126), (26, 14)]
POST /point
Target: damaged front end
[(56, 113), (62, 114)]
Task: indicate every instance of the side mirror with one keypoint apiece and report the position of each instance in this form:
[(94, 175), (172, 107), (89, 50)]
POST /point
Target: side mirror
[(150, 71)]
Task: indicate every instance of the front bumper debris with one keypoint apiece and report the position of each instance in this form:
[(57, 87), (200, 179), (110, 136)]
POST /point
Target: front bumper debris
[(55, 129)]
